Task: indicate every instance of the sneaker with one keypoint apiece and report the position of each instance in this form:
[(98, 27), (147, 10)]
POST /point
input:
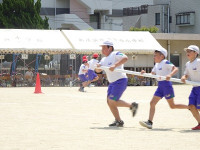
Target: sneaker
[(197, 127), (146, 124), (81, 89), (134, 108), (117, 124)]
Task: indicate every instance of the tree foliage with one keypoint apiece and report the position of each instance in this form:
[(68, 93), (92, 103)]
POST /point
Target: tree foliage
[(150, 29), (22, 14)]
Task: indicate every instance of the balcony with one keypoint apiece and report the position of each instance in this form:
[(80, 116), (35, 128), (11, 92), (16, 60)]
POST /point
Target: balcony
[(133, 11)]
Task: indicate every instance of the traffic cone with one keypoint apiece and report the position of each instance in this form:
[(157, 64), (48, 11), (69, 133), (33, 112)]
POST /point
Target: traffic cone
[(37, 85)]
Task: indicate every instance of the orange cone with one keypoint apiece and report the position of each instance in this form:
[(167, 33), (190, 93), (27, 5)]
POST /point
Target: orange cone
[(37, 85)]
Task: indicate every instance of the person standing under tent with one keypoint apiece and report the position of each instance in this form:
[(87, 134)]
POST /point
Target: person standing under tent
[(92, 76), (118, 81), (192, 71), (29, 76), (82, 71), (71, 75), (162, 68)]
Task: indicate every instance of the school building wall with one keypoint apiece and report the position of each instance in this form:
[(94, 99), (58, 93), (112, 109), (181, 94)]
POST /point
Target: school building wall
[(175, 44)]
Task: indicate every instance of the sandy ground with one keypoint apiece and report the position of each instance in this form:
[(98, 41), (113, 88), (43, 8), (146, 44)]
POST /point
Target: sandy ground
[(64, 119)]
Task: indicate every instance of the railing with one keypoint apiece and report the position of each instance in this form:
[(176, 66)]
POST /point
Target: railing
[(132, 11)]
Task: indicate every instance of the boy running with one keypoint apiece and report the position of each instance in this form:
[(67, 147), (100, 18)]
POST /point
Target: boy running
[(192, 71), (82, 71), (92, 76), (163, 68), (117, 80)]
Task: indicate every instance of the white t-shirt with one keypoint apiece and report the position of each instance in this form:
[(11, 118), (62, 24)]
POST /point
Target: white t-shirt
[(110, 60), (163, 68), (82, 67), (92, 64), (192, 69)]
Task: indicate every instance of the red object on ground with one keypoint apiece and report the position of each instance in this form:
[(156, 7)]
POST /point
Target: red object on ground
[(37, 85)]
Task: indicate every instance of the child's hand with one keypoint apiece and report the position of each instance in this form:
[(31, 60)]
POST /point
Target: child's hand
[(183, 78), (168, 77), (143, 71), (98, 65), (112, 68)]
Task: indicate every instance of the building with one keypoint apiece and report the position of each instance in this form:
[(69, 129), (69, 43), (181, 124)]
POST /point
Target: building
[(170, 16), (87, 14), (175, 44), (173, 17)]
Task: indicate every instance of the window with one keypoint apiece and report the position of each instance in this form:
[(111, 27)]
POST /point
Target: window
[(174, 59), (170, 19), (95, 21), (157, 18), (185, 18)]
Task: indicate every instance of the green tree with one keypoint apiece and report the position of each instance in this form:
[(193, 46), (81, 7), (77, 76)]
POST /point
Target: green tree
[(150, 29), (22, 14)]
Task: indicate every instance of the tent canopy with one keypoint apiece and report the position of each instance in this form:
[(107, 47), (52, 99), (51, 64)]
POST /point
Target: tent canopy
[(129, 42), (30, 41), (33, 41)]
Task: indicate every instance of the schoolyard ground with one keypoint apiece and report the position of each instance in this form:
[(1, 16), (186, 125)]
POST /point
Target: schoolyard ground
[(64, 119)]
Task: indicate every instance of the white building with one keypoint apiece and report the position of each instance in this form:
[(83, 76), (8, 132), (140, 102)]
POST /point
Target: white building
[(170, 16), (86, 14)]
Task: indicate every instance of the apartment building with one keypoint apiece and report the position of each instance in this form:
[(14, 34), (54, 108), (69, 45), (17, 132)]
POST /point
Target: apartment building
[(170, 16)]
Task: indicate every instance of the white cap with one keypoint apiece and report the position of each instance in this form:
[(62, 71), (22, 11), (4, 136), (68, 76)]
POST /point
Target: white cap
[(163, 51), (108, 43), (193, 48)]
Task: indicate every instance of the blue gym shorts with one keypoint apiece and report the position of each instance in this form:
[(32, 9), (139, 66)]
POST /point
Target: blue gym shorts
[(83, 78), (194, 98), (116, 89), (164, 89), (91, 75)]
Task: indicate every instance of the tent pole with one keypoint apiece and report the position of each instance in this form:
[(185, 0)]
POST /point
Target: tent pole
[(1, 66)]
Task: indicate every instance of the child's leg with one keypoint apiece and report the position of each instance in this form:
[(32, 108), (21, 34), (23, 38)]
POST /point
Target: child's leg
[(195, 113), (176, 106), (113, 108), (95, 79), (153, 103), (86, 83)]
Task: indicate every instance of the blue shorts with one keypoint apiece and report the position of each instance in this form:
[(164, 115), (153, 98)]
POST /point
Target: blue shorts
[(116, 89), (83, 78), (194, 98), (164, 89), (91, 75)]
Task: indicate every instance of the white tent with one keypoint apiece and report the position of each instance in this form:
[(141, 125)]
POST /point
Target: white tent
[(74, 41), (129, 42), (33, 41)]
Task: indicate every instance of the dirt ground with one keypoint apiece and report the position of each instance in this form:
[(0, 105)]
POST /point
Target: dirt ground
[(64, 119)]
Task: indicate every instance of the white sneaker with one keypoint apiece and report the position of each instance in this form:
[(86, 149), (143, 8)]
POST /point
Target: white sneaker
[(146, 124)]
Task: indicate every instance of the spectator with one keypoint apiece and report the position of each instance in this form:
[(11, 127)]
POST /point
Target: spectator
[(29, 77)]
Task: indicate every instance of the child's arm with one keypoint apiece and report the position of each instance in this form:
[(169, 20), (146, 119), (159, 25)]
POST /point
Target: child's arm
[(174, 71), (97, 69)]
